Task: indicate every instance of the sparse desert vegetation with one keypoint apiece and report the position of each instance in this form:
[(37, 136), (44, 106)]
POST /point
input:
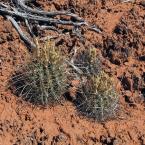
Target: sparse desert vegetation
[(72, 72)]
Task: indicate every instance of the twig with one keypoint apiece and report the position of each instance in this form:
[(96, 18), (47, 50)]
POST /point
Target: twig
[(21, 3), (74, 67), (22, 35), (43, 27), (29, 28), (21, 10), (126, 1)]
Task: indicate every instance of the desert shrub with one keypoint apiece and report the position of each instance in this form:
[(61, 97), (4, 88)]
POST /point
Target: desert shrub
[(43, 80)]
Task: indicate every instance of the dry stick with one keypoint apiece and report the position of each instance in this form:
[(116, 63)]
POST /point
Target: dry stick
[(47, 20), (79, 71), (29, 28), (44, 27), (21, 3), (126, 1), (39, 18), (22, 35), (18, 29)]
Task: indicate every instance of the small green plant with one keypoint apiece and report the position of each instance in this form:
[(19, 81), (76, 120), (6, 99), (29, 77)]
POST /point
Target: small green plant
[(43, 80)]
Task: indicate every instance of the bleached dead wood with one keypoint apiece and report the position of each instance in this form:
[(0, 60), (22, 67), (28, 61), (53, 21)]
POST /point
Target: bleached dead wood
[(20, 9), (29, 43)]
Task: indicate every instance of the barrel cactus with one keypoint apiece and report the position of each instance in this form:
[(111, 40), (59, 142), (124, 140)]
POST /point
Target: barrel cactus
[(97, 97), (43, 80)]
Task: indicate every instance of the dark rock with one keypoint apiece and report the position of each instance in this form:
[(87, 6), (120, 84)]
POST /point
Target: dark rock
[(142, 3), (2, 40), (135, 82), (142, 58), (119, 29), (126, 83), (129, 101)]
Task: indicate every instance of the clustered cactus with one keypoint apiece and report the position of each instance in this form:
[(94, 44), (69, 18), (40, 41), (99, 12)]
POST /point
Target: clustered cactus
[(97, 97), (46, 78), (43, 80)]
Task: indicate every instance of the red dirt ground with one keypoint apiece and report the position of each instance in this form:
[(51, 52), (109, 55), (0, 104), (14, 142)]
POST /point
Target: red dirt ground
[(122, 50)]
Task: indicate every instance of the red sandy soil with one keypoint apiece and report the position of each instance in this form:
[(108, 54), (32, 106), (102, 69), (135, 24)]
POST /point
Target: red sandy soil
[(122, 50)]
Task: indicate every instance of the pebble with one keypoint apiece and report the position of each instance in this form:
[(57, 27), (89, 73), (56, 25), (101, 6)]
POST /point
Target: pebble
[(142, 3)]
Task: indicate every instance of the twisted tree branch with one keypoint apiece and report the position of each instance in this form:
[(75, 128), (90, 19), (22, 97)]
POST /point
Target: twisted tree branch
[(22, 4), (21, 10), (30, 44)]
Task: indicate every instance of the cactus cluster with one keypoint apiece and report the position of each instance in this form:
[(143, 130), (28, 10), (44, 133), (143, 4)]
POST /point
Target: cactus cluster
[(44, 80), (97, 97)]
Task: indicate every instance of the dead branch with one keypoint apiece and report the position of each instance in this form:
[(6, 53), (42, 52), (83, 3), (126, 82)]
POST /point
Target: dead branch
[(39, 18), (29, 28), (30, 44), (22, 4), (79, 71), (47, 19)]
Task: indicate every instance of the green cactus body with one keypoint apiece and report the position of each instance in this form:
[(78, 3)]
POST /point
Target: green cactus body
[(97, 97), (46, 79)]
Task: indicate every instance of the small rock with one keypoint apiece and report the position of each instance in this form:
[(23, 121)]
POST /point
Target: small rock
[(142, 3), (126, 83), (136, 82), (129, 100), (2, 40), (142, 58)]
